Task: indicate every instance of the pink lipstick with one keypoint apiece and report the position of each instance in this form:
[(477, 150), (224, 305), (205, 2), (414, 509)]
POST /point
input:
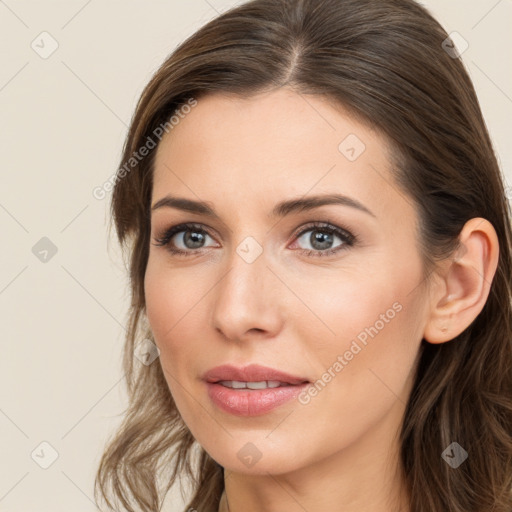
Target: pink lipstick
[(252, 390)]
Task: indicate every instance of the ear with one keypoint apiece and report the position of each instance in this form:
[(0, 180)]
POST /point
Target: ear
[(464, 282)]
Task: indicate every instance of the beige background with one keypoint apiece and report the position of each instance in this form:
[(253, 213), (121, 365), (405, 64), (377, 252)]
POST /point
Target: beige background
[(63, 122)]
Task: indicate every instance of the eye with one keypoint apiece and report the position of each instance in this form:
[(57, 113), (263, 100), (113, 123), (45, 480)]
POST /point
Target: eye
[(321, 239), (188, 243), (190, 239)]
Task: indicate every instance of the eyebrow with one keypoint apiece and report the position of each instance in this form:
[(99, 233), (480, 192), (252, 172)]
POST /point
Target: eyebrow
[(281, 209)]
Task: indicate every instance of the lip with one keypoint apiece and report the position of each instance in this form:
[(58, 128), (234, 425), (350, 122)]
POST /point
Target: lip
[(250, 373), (251, 402)]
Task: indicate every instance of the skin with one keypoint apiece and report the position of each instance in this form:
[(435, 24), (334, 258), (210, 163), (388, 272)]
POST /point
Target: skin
[(299, 312)]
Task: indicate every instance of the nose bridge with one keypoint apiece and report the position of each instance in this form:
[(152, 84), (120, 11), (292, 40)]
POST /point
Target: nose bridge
[(244, 298)]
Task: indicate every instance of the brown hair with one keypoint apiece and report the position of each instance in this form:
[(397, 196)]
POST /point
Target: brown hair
[(385, 63)]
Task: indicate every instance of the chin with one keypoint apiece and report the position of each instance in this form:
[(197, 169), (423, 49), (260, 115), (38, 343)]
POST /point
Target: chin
[(254, 459)]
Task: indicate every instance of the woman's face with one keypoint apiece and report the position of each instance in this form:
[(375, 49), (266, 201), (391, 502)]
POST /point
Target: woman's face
[(343, 310)]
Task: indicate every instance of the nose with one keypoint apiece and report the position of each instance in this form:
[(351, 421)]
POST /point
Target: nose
[(248, 302)]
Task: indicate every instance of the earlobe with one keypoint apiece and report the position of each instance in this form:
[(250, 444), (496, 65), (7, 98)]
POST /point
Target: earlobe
[(464, 282)]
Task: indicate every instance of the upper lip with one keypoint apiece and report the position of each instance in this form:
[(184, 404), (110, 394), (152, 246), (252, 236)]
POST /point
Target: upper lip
[(250, 373)]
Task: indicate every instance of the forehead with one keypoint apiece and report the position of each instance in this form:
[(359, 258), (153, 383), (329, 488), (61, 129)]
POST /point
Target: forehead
[(272, 145)]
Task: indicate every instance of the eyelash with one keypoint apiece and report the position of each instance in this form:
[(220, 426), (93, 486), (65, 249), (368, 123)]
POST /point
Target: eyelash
[(348, 238)]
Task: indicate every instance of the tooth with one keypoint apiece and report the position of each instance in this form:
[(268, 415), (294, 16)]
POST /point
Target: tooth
[(226, 383), (235, 384), (257, 385)]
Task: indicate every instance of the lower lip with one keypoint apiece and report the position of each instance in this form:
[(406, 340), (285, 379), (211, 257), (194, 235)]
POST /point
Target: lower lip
[(252, 402)]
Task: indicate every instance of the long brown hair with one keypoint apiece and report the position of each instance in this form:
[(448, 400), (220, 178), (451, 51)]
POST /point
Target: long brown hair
[(386, 63)]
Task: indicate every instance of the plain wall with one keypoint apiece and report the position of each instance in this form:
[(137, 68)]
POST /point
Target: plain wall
[(63, 120)]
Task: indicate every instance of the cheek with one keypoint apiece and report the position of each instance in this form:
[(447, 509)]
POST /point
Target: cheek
[(170, 301), (176, 303), (159, 300), (343, 306), (367, 332), (165, 306), (170, 295)]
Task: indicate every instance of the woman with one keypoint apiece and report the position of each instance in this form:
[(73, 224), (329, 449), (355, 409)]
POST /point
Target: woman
[(320, 256)]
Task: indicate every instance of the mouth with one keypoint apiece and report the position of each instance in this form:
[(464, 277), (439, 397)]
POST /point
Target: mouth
[(253, 390)]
